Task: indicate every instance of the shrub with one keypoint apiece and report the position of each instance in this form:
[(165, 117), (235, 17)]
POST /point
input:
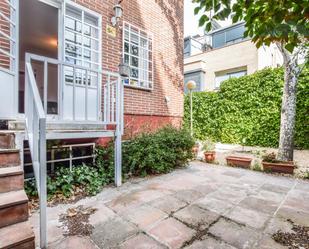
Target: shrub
[(89, 178), (148, 153), (152, 153), (247, 109)]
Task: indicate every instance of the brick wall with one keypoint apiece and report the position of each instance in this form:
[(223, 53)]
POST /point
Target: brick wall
[(4, 27), (164, 19)]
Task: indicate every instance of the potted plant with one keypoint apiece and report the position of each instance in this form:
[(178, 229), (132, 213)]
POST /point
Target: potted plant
[(195, 149), (239, 161), (209, 151), (270, 163)]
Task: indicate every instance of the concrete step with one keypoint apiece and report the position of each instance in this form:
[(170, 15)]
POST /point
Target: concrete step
[(13, 207), (11, 179), (9, 157), (7, 141), (17, 236)]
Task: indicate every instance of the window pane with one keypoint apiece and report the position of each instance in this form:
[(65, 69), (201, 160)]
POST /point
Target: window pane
[(126, 59), (134, 61), (126, 47), (72, 37), (73, 25), (218, 40), (235, 33), (134, 73), (134, 50)]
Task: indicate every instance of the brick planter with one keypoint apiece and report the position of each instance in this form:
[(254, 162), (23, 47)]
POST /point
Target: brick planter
[(242, 162), (279, 167)]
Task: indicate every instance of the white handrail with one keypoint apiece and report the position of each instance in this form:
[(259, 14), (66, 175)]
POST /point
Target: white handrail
[(36, 132), (35, 114)]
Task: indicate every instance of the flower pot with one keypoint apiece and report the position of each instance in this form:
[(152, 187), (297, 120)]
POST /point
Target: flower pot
[(195, 150), (238, 161), (210, 156), (279, 167)]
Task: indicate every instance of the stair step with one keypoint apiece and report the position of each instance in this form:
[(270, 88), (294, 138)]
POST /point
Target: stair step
[(9, 157), (17, 236), (11, 179), (6, 141), (13, 207)]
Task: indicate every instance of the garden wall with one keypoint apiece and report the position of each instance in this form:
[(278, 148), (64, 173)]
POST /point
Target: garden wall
[(248, 108)]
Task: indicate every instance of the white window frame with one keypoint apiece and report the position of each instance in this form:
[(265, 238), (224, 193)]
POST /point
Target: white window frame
[(149, 70), (81, 46), (221, 78)]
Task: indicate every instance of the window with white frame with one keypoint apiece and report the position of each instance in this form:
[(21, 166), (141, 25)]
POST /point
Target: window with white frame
[(137, 53), (221, 78), (82, 43)]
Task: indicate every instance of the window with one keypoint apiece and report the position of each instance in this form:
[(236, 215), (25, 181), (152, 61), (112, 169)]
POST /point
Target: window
[(137, 53), (221, 78), (187, 47), (195, 76), (228, 36), (81, 43)]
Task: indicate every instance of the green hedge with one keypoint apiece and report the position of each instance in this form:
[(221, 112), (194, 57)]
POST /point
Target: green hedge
[(249, 108)]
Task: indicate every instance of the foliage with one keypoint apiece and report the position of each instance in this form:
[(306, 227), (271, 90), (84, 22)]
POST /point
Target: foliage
[(153, 153), (209, 145), (269, 21), (257, 167), (247, 110), (89, 178), (270, 158)]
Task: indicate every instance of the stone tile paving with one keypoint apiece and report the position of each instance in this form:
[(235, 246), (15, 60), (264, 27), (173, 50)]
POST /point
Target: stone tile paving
[(201, 207)]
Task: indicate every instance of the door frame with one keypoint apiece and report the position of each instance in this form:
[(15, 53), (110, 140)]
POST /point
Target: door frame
[(57, 4)]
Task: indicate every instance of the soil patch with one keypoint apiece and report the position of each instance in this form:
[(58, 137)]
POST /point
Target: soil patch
[(76, 221), (298, 239)]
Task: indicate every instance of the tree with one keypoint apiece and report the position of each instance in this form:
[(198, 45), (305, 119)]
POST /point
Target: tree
[(283, 22)]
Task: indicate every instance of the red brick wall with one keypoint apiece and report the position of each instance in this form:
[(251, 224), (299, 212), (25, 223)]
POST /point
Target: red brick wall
[(164, 19), (4, 27)]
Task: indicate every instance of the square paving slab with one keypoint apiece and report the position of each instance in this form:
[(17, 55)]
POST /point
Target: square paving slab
[(203, 206)]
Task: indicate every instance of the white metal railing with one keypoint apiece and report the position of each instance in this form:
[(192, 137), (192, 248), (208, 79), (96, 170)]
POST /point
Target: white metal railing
[(36, 113), (78, 86), (36, 133)]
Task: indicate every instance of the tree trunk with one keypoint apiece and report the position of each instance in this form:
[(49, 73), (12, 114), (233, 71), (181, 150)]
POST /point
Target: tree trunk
[(288, 108)]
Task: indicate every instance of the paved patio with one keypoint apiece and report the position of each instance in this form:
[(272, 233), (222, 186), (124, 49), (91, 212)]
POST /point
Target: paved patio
[(202, 206)]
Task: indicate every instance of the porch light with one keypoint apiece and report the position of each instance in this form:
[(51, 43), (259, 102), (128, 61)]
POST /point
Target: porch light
[(124, 70), (191, 85), (117, 14)]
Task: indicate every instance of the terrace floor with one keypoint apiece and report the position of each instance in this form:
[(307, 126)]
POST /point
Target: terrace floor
[(202, 206)]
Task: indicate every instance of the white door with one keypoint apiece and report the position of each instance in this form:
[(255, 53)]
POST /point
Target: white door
[(82, 50), (8, 58)]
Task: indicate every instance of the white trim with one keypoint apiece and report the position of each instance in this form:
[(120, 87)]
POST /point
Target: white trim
[(148, 36)]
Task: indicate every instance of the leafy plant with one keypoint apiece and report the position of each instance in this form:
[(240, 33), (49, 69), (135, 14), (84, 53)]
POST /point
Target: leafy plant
[(208, 145), (257, 167), (249, 107), (151, 153), (270, 157)]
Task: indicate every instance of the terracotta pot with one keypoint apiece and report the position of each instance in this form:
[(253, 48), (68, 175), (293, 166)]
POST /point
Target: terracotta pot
[(210, 156), (280, 167), (238, 161), (195, 150)]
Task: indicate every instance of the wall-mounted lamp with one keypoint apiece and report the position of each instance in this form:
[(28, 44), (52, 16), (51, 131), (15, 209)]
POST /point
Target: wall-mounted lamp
[(117, 14)]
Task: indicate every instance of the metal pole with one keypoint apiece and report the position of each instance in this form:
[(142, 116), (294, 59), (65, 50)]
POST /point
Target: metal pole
[(191, 115), (43, 187)]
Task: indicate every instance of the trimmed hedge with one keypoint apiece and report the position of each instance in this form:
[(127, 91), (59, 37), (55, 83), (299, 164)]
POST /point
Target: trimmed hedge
[(249, 108)]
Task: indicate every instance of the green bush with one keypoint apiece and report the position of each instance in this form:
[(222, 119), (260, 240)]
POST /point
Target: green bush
[(151, 153), (89, 178), (249, 108)]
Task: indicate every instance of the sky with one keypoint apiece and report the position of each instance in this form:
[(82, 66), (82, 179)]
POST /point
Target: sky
[(191, 21)]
